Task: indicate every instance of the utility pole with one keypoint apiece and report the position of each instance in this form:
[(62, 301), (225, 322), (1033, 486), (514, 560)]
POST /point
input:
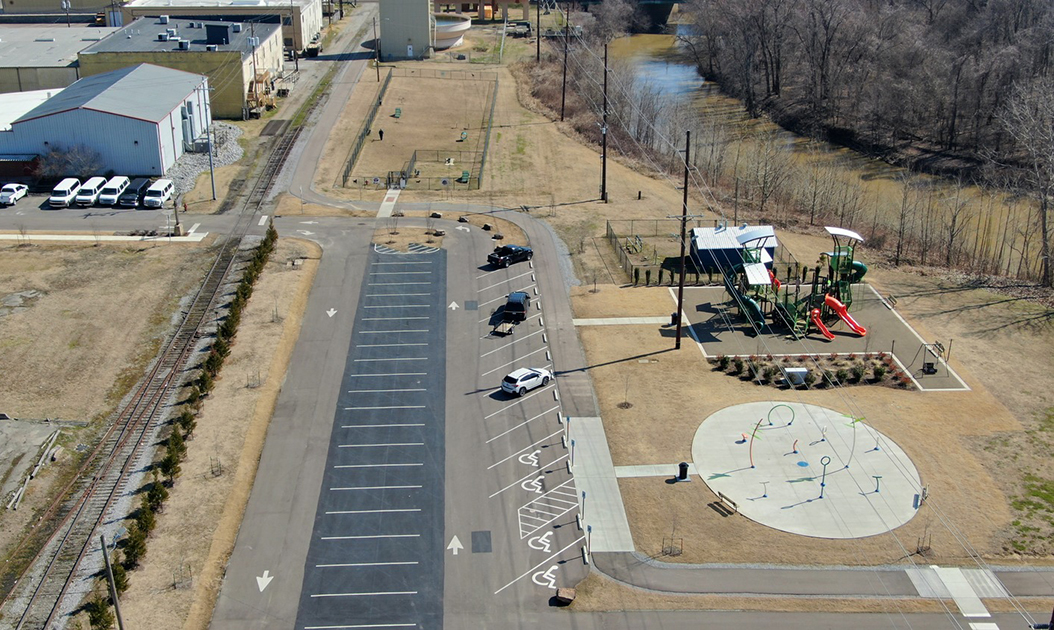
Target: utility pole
[(604, 133), (538, 35), (684, 224), (66, 6), (563, 90), (109, 579), (377, 46)]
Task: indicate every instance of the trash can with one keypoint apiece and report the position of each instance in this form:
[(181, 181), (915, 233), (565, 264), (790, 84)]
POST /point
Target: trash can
[(682, 471), (674, 318)]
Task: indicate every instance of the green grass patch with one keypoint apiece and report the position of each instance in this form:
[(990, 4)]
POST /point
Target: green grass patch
[(305, 109), (521, 144)]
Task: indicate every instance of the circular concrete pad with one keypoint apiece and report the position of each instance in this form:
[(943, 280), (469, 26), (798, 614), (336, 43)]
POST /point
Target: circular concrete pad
[(850, 508)]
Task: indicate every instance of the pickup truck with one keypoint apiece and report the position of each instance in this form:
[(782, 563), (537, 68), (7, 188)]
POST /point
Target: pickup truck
[(505, 255), (516, 306)]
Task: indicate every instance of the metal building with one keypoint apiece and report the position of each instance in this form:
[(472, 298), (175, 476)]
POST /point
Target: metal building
[(43, 57), (138, 120), (406, 29)]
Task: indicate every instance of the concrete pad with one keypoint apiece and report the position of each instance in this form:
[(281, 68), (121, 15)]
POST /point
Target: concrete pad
[(962, 593), (652, 470), (620, 321), (783, 489), (103, 238), (388, 204), (595, 477)]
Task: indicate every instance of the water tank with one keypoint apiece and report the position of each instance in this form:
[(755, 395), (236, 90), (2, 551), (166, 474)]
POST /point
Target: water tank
[(163, 19), (236, 27)]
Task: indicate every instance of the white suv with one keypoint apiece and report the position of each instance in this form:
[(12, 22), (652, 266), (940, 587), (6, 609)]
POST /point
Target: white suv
[(525, 379)]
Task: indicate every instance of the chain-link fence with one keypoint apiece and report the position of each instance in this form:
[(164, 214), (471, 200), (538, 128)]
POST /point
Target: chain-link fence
[(365, 128)]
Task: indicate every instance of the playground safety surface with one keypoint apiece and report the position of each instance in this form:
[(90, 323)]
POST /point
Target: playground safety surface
[(709, 312)]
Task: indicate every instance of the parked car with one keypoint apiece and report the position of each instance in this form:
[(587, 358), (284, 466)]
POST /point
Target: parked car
[(516, 306), (11, 193), (111, 192), (133, 195), (524, 380), (506, 255), (89, 191), (63, 194)]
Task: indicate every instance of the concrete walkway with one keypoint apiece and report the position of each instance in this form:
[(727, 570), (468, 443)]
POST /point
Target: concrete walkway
[(602, 506), (652, 470)]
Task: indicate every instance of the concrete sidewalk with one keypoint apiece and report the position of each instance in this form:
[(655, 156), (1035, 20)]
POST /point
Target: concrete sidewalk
[(601, 507)]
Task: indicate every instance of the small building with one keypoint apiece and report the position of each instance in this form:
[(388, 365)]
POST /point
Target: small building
[(137, 120), (301, 20), (722, 248), (53, 6), (241, 60), (406, 29), (43, 57)]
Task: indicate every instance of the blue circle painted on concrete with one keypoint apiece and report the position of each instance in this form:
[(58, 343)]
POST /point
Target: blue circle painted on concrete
[(803, 464)]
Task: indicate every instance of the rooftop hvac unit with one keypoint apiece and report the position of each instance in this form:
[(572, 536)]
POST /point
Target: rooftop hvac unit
[(237, 27), (162, 37), (211, 47), (164, 19), (171, 32), (184, 44)]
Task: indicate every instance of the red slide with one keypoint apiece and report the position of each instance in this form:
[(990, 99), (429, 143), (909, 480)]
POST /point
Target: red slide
[(843, 312), (819, 324)]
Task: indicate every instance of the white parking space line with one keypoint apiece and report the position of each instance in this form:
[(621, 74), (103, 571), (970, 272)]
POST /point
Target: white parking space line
[(392, 359), (388, 319), (503, 297), (390, 345), (193, 227), (399, 306), (363, 626), (263, 219), (491, 336), (513, 361), (370, 537), (535, 567), (522, 424), (533, 473), (375, 488), (378, 466), (374, 594), (381, 426), (385, 407), (500, 348), (503, 282), (525, 448), (378, 445), (410, 262), (391, 332), (484, 275), (366, 564), (373, 391), (394, 284), (377, 295), (506, 407), (399, 273), (394, 374)]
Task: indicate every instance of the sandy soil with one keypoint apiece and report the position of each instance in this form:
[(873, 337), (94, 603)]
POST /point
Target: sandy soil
[(400, 238), (177, 584)]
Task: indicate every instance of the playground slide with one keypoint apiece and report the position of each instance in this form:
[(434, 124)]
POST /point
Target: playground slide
[(843, 312), (818, 322), (753, 312)]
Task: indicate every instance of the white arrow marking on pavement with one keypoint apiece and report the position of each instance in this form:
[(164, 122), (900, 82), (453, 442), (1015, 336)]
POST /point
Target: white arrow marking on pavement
[(543, 542), (535, 485), (305, 232), (264, 580), (331, 312), (461, 227), (310, 222), (455, 545), (530, 459), (545, 578), (453, 306)]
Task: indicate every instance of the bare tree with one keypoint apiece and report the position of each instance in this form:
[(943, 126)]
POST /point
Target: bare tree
[(76, 161)]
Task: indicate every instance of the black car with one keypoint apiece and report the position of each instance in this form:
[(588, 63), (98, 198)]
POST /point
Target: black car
[(507, 254), (516, 306)]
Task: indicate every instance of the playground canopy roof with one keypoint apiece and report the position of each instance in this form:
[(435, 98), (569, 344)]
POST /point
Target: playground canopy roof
[(730, 237), (757, 274), (833, 231)]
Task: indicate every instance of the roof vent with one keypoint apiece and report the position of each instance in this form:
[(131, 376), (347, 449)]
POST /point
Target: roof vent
[(184, 44), (211, 47), (163, 19), (162, 37), (237, 28), (171, 32)]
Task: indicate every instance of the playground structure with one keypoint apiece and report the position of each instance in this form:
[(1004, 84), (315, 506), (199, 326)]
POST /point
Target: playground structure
[(795, 303), (807, 470)]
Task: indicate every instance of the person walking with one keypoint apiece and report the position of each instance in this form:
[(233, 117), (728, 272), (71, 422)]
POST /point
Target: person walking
[(380, 134)]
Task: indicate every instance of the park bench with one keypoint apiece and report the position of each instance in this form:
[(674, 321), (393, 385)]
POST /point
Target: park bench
[(464, 177), (398, 112)]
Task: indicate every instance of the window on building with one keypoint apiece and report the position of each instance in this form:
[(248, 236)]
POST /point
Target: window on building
[(287, 21)]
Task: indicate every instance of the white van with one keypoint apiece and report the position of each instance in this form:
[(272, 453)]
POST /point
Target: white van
[(63, 194), (158, 193), (112, 190), (89, 192)]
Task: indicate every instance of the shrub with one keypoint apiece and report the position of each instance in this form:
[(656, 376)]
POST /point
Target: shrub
[(880, 372), (842, 375), (769, 373), (213, 363), (809, 378), (157, 494), (737, 365), (905, 381), (144, 517), (169, 467), (99, 613), (828, 378), (186, 422), (206, 382), (120, 576), (722, 362), (134, 546), (857, 372)]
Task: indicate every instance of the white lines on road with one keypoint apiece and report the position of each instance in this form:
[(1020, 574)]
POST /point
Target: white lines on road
[(263, 219), (500, 348), (363, 626), (393, 284), (388, 319), (193, 228), (506, 407), (522, 424), (374, 594), (503, 282), (391, 332), (525, 448), (399, 306), (533, 473), (370, 537), (378, 295), (551, 506), (490, 335), (412, 262), (392, 359), (484, 275), (384, 407), (365, 564), (389, 345), (503, 297), (513, 361), (374, 391), (377, 466), (399, 273), (543, 562), (381, 426), (375, 488), (378, 445), (394, 374)]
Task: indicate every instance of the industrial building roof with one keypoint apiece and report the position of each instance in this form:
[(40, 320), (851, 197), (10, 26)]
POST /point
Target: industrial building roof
[(46, 46), (234, 4), (14, 104), (142, 36), (144, 91)]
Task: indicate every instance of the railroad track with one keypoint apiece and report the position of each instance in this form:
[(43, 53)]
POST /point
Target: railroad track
[(60, 567)]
